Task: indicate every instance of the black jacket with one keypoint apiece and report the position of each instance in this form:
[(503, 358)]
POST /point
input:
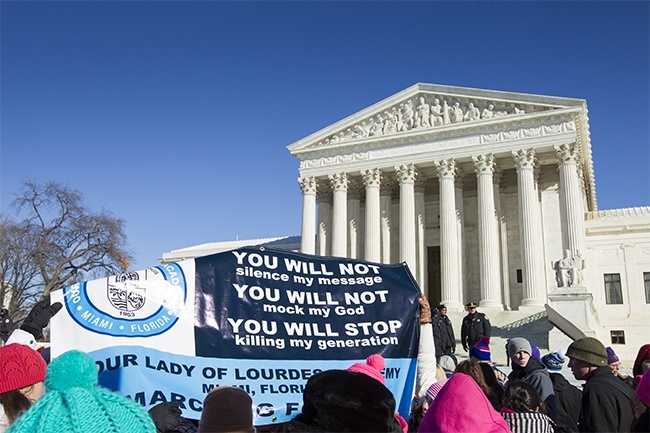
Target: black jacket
[(605, 403), (443, 336), (568, 399), (473, 328), (536, 374)]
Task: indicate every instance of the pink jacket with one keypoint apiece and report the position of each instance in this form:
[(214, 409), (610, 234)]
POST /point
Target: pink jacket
[(461, 407)]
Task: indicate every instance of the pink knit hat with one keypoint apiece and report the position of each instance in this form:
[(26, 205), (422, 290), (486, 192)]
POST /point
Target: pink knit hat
[(643, 388), (373, 367), (20, 366)]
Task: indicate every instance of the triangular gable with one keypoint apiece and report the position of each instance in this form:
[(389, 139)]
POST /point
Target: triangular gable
[(427, 107)]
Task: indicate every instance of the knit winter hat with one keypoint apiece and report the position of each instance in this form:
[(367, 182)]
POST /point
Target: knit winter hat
[(227, 409), (644, 353), (20, 366), (611, 355), (373, 367), (435, 388), (643, 388), (481, 350), (534, 352), (589, 350), (553, 361), (518, 344), (73, 403), (341, 400)]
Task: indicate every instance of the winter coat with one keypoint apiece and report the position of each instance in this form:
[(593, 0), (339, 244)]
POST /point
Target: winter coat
[(605, 403), (568, 399), (461, 407), (443, 335), (527, 422), (474, 326), (536, 375)]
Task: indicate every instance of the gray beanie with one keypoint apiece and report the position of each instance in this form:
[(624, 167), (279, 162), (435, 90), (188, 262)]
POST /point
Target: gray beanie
[(518, 344), (589, 350)]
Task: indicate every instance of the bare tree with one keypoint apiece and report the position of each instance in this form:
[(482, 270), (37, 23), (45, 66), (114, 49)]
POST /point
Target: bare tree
[(55, 241)]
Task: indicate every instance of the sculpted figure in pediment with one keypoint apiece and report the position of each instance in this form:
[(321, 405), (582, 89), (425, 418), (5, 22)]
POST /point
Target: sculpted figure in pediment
[(457, 113), (359, 130), (390, 124), (405, 117), (472, 113), (446, 113), (422, 114), (488, 112), (377, 127), (436, 113)]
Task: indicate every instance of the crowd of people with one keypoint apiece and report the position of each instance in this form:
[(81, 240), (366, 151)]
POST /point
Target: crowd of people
[(470, 396)]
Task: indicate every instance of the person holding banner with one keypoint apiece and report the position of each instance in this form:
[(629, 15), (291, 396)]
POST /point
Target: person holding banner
[(22, 369)]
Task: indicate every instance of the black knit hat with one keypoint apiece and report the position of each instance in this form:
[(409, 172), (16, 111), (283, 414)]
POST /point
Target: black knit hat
[(589, 350), (227, 409), (340, 401)]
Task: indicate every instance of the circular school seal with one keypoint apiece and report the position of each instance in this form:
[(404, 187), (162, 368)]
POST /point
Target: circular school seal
[(133, 304)]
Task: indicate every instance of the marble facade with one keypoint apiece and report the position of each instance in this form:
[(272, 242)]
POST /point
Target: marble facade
[(464, 170), (488, 196)]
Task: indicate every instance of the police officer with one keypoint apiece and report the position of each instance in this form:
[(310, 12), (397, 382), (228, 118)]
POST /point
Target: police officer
[(475, 325), (443, 334)]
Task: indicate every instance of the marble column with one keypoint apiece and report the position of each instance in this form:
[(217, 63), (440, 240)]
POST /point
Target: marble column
[(530, 226), (386, 208), (421, 248), (573, 215), (308, 234), (459, 182), (339, 183), (450, 268), (354, 219), (406, 175), (503, 238), (488, 235), (324, 197), (372, 182)]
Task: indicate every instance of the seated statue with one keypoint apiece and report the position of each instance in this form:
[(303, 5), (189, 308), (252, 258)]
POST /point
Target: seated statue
[(568, 270)]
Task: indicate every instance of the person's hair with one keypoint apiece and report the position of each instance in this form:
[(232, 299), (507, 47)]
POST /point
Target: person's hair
[(14, 404), (472, 368), (522, 397)]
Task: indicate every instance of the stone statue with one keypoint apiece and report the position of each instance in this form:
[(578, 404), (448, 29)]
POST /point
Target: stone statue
[(422, 113), (472, 113), (377, 127), (488, 112), (568, 270), (436, 113), (446, 119), (457, 113), (390, 124), (405, 117)]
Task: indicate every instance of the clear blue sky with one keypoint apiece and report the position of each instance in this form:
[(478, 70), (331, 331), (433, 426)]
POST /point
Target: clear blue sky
[(176, 115)]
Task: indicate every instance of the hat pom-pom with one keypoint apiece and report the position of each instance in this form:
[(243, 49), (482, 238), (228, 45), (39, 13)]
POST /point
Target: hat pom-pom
[(72, 369), (485, 340), (376, 361)]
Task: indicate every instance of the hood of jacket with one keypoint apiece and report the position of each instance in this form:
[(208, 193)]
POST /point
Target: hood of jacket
[(461, 407)]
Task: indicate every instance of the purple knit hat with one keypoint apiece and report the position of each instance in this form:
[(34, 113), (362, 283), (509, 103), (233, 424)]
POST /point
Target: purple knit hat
[(611, 355)]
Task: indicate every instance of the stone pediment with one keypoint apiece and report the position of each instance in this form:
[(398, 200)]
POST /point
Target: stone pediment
[(425, 109)]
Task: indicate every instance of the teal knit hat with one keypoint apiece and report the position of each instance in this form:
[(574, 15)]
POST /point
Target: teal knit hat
[(74, 403)]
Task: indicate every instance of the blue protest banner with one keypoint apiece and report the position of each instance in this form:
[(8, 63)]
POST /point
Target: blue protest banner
[(261, 319)]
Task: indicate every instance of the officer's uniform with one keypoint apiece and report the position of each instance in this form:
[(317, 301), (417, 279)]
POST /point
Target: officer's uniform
[(474, 327)]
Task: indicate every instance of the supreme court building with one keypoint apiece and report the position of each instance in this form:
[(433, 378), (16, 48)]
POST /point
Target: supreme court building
[(488, 196)]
